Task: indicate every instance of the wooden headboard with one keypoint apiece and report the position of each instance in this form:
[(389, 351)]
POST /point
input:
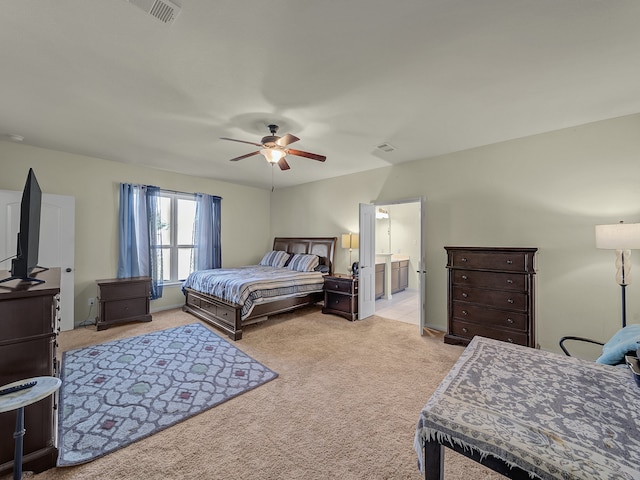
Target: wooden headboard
[(323, 247)]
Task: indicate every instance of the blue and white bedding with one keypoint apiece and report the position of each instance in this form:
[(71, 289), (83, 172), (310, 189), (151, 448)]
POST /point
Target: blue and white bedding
[(254, 284)]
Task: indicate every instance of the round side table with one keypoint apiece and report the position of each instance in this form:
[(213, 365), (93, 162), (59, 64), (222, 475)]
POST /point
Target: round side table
[(44, 387)]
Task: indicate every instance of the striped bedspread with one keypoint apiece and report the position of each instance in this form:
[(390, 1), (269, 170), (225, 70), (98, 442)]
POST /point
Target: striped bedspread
[(253, 284)]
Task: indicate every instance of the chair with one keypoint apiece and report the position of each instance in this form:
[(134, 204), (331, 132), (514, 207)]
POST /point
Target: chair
[(624, 342)]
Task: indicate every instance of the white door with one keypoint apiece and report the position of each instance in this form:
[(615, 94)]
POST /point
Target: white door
[(422, 267), (367, 268), (57, 237)]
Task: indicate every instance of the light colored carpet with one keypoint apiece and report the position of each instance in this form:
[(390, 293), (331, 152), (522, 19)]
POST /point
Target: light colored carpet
[(345, 406)]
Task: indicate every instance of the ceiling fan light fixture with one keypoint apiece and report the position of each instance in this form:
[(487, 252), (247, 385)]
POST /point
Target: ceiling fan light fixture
[(273, 155)]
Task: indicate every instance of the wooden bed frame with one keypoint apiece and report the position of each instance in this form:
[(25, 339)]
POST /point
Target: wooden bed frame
[(226, 315)]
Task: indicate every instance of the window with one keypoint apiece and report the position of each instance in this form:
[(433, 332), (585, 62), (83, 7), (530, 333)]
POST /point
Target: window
[(176, 249)]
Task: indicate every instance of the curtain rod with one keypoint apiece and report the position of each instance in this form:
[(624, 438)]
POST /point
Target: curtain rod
[(187, 193)]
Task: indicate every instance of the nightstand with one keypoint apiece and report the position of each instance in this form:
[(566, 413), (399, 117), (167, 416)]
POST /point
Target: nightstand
[(123, 300), (341, 296)]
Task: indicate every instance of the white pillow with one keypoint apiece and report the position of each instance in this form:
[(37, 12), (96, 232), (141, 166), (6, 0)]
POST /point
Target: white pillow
[(275, 258), (303, 262)]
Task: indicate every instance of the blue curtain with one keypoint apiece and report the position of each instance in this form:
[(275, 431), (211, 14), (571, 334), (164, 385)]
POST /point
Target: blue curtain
[(207, 252), (138, 227)]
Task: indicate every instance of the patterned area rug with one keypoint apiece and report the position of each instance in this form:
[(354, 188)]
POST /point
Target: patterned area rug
[(116, 393)]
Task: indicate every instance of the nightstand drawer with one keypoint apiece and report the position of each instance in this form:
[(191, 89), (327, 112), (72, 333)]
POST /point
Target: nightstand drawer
[(344, 285), (125, 308), (116, 291), (341, 303)]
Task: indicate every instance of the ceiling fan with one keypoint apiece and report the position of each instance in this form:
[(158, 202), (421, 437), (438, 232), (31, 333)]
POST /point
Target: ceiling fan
[(274, 149)]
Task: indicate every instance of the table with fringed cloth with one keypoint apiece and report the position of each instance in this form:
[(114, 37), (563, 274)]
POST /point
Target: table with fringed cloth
[(529, 413)]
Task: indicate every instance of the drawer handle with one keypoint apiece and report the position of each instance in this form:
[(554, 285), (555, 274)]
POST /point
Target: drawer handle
[(509, 281), (509, 320), (510, 340), (465, 313), (464, 277), (510, 300), (337, 302), (337, 286), (463, 259), (465, 329), (509, 262), (465, 295)]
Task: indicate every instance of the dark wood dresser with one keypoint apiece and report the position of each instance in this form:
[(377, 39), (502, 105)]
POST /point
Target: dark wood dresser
[(491, 293), (123, 300), (341, 296), (28, 330)]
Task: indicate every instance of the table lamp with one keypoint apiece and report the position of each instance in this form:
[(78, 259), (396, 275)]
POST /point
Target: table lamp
[(621, 237), (350, 241)]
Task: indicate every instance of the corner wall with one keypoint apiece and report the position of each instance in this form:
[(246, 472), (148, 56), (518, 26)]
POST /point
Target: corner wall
[(95, 185), (546, 191)]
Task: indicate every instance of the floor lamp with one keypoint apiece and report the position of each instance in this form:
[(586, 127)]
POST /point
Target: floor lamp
[(350, 241), (621, 237)]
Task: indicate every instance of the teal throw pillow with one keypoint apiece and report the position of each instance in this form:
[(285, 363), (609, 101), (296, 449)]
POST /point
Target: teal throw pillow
[(625, 340)]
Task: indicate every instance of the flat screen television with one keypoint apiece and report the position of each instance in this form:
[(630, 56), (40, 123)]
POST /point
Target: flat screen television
[(26, 259)]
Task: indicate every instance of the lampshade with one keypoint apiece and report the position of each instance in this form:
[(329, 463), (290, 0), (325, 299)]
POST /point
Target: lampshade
[(273, 155), (618, 236), (350, 240)]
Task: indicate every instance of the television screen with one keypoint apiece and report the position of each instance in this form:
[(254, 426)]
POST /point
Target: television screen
[(29, 235)]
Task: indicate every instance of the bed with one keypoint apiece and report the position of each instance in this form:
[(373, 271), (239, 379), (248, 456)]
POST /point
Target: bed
[(230, 299)]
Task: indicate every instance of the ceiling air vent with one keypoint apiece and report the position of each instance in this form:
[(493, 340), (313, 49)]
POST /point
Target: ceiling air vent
[(386, 147), (162, 10)]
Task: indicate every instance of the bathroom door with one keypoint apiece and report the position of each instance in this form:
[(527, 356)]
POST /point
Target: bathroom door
[(367, 269)]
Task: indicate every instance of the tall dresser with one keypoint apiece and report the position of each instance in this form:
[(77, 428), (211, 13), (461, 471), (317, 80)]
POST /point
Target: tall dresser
[(28, 329), (491, 293)]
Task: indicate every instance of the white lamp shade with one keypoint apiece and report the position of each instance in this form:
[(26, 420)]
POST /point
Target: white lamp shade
[(618, 236), (273, 155), (350, 240)]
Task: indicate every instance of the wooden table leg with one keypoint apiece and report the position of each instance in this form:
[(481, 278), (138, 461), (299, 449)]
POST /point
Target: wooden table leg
[(433, 460)]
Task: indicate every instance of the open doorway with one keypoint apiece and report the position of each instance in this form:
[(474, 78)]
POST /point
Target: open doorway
[(398, 259)]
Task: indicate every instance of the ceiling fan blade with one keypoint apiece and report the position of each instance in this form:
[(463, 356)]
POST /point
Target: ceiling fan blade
[(282, 163), (286, 140), (312, 156), (244, 156), (241, 141)]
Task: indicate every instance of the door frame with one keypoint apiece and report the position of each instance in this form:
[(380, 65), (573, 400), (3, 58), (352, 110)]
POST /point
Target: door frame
[(422, 261)]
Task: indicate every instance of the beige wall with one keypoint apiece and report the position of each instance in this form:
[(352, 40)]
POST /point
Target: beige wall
[(545, 191), (94, 184)]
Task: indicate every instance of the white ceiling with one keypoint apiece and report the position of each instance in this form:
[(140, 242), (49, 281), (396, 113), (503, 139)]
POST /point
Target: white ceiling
[(105, 79)]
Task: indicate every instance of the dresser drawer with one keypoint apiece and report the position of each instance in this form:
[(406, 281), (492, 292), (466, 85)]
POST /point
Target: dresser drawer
[(501, 260), (30, 316), (489, 316), (498, 281), (470, 330), (492, 298), (343, 285)]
